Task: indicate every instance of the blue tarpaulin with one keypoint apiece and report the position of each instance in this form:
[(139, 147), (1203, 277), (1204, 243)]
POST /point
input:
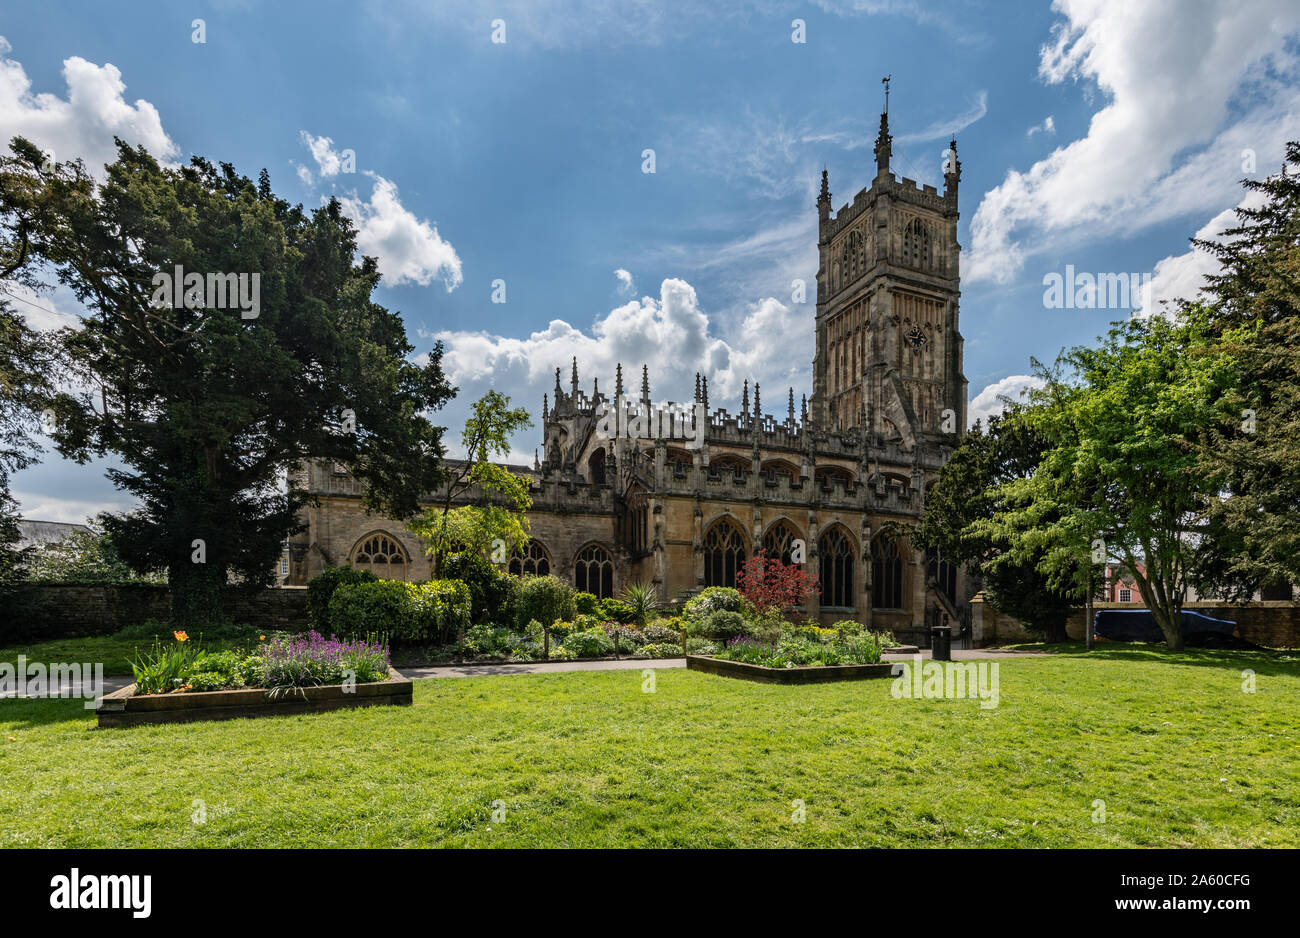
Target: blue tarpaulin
[(1139, 625)]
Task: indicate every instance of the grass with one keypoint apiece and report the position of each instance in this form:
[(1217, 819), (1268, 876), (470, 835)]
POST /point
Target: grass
[(1180, 755), (115, 651)]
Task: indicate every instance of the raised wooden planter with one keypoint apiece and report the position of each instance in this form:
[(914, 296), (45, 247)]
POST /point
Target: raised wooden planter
[(123, 708), (816, 674)]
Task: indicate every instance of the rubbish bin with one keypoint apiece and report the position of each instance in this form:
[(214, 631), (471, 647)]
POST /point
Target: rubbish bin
[(941, 643)]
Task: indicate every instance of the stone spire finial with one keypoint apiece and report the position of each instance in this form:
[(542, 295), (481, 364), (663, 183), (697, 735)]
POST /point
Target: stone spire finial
[(824, 197), (618, 380), (697, 387), (952, 167), (791, 409), (884, 142), (537, 463), (574, 379), (546, 411), (558, 390), (744, 401), (595, 388), (645, 382), (758, 408), (803, 414), (704, 392)]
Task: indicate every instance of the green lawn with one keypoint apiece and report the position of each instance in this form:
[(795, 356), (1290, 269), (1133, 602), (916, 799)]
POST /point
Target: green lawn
[(1178, 753)]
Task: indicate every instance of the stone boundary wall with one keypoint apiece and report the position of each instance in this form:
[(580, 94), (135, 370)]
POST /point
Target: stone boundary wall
[(40, 611), (1271, 623)]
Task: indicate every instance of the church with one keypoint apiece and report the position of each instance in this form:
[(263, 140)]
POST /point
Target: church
[(837, 482)]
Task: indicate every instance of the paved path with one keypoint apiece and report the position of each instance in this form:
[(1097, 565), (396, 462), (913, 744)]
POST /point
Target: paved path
[(554, 667)]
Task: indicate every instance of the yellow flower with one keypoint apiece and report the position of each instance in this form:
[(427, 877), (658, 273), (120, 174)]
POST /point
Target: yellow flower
[(181, 636)]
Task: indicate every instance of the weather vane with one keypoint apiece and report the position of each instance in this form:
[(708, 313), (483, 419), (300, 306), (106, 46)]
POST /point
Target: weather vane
[(885, 81)]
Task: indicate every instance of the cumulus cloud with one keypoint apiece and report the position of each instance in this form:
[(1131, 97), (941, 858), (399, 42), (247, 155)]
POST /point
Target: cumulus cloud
[(626, 285), (993, 399), (83, 123), (409, 249), (670, 333), (1185, 96)]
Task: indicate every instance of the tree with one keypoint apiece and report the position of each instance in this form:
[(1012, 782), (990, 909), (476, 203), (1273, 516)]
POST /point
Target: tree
[(1253, 538), (773, 587), (1121, 478), (208, 401), (84, 557), (495, 523), (966, 493)]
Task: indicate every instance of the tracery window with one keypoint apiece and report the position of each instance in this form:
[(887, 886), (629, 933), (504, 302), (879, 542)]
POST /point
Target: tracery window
[(724, 554), (835, 553), (382, 555), (886, 575), (534, 561), (593, 571)]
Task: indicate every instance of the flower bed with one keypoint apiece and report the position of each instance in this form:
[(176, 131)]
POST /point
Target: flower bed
[(810, 674), (284, 664), (126, 708)]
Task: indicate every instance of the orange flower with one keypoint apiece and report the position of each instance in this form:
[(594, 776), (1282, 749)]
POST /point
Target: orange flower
[(261, 638), (181, 636)]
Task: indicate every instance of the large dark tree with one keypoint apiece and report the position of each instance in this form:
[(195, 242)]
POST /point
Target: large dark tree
[(1253, 541), (965, 493), (206, 406)]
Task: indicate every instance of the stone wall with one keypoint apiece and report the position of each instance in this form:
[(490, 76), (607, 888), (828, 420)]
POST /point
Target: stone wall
[(1273, 624), (59, 610)]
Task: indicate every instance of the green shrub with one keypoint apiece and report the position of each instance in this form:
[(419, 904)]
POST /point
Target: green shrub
[(658, 633), (702, 646), (208, 680), (615, 610), (723, 624), (589, 643), (642, 599), (234, 669), (660, 651), (629, 639), (489, 587), (321, 589), (586, 603), (715, 599), (488, 640), (405, 612), (544, 598)]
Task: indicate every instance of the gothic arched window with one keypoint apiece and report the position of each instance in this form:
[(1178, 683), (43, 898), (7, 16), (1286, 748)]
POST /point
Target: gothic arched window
[(382, 555), (593, 571), (724, 554), (779, 541), (916, 244), (886, 575), (534, 561), (835, 552), (944, 573)]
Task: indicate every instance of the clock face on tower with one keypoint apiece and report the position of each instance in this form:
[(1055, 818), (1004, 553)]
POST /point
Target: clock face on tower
[(915, 338)]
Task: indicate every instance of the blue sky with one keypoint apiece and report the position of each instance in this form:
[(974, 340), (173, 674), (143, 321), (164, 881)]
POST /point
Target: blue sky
[(1094, 134)]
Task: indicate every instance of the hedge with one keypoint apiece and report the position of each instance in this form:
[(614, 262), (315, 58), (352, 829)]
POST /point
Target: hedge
[(406, 612)]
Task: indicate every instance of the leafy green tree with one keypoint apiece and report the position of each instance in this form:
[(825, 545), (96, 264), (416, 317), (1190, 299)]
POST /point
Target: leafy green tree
[(1253, 540), (1121, 479), (967, 493), (209, 406), (495, 522)]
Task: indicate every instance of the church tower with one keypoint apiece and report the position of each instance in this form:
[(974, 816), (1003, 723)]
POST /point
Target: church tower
[(889, 350)]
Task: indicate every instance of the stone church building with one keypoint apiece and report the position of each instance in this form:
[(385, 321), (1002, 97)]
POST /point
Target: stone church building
[(839, 480)]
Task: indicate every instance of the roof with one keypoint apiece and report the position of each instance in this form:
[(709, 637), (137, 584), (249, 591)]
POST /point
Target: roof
[(31, 533)]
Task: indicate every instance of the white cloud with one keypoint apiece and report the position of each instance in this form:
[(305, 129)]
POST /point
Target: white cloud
[(328, 161), (1185, 95), (37, 506), (84, 123), (409, 249), (626, 284), (671, 334), (991, 400), (1048, 127)]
